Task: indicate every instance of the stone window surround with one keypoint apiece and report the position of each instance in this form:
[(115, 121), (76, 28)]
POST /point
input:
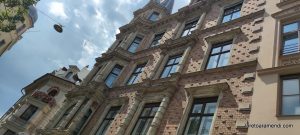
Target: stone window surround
[(214, 90), (161, 41), (228, 5), (150, 98), (138, 62), (185, 50), (182, 25), (152, 12), (126, 44), (88, 120), (219, 38), (106, 107)]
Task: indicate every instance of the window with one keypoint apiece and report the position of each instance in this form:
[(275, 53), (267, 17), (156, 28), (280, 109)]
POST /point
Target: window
[(67, 112), (9, 132), (53, 93), (145, 119), (136, 74), (189, 27), (82, 122), (154, 16), (113, 75), (110, 116), (290, 95), (219, 55), (135, 44), (232, 12), (290, 44), (69, 75), (171, 66), (200, 116), (156, 39), (29, 112)]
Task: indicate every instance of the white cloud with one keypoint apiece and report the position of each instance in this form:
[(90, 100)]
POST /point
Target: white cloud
[(77, 25), (57, 9), (89, 52)]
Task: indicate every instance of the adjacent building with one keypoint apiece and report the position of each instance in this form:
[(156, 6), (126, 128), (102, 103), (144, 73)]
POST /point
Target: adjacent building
[(8, 39), (42, 99), (215, 67)]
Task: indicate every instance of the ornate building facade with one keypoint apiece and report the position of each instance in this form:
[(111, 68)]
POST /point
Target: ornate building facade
[(212, 68)]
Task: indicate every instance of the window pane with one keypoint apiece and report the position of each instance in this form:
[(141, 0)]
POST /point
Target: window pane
[(132, 80), (290, 27), (291, 105), (171, 61), (226, 18), (154, 16), (110, 80), (116, 70), (291, 45), (133, 47), (185, 33), (197, 108), (226, 48), (192, 126), (166, 72), (139, 127), (146, 112), (205, 125), (103, 128), (177, 61), (29, 112), (212, 63), (216, 50), (210, 108), (153, 111), (291, 87), (173, 70), (146, 127), (223, 59), (236, 15)]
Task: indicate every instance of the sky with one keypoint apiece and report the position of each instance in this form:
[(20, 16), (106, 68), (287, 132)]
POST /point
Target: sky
[(90, 27)]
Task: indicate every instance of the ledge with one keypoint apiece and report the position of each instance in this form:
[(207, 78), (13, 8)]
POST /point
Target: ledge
[(285, 2), (280, 70), (287, 13)]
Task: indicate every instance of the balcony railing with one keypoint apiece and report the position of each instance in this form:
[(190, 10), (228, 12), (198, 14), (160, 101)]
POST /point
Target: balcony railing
[(44, 97)]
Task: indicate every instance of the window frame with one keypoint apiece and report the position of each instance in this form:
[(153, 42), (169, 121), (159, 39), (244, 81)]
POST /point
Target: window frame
[(111, 72), (136, 74), (288, 35), (189, 29), (154, 13), (135, 42), (281, 95), (232, 7), (216, 45), (115, 108), (204, 101), (147, 105), (27, 118), (171, 65), (155, 39)]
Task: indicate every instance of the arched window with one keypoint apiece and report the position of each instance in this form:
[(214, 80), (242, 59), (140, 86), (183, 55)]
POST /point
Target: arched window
[(53, 91), (69, 75), (63, 117)]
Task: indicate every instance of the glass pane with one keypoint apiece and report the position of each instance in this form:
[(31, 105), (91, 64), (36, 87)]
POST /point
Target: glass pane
[(210, 108), (185, 33), (132, 79), (117, 71), (226, 48), (197, 108), (290, 27), (223, 59), (205, 125), (104, 126), (154, 16), (212, 63), (166, 72), (192, 126), (154, 110), (146, 112), (171, 61), (139, 127), (216, 50), (291, 105), (110, 80), (236, 15), (146, 127), (178, 60), (290, 87), (291, 42), (173, 70), (226, 18)]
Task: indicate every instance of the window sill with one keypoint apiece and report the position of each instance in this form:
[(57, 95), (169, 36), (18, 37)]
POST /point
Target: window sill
[(288, 116), (285, 2)]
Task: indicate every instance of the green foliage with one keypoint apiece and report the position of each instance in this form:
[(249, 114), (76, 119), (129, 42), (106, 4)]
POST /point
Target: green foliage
[(12, 12)]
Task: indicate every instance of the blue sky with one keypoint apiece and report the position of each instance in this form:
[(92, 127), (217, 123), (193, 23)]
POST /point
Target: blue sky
[(90, 27)]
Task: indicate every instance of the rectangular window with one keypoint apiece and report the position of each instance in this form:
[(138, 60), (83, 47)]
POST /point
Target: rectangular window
[(9, 132), (290, 44), (171, 66), (113, 75), (145, 119), (136, 74), (290, 100), (110, 116), (232, 12), (29, 112), (156, 39), (82, 122), (200, 116), (188, 28), (154, 16), (135, 44), (219, 55)]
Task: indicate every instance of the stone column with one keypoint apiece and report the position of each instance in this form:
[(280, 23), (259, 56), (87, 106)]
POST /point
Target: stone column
[(72, 113), (158, 116), (104, 71), (184, 58), (131, 111), (80, 114)]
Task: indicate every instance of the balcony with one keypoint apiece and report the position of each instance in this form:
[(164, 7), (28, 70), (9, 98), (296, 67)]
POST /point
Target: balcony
[(44, 97)]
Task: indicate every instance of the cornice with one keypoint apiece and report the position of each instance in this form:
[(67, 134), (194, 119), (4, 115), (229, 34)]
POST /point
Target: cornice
[(283, 3), (118, 53), (150, 5), (287, 13), (280, 70)]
